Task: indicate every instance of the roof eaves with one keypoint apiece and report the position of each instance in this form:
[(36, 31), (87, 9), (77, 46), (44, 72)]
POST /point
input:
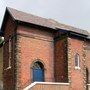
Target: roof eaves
[(31, 24)]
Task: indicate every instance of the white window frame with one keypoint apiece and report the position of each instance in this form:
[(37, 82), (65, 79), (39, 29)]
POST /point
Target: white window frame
[(77, 61)]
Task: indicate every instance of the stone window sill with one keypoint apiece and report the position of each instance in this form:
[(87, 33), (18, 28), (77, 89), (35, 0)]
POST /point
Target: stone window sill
[(77, 68)]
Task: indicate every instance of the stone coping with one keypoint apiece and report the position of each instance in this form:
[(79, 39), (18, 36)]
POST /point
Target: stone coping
[(47, 83)]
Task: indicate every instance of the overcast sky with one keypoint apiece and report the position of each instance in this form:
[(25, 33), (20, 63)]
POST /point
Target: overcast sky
[(71, 12)]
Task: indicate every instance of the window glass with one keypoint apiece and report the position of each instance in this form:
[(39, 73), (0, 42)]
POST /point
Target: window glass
[(77, 61)]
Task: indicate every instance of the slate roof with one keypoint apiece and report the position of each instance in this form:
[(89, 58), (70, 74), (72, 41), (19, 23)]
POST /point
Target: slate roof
[(29, 18)]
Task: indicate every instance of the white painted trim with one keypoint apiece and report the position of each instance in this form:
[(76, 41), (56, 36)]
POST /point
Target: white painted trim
[(77, 68), (30, 86), (88, 84), (8, 68), (33, 84), (52, 83)]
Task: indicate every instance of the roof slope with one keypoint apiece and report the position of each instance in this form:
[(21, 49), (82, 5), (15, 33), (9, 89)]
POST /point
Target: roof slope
[(29, 18), (71, 28)]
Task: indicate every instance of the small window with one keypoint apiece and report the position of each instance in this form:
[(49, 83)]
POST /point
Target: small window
[(77, 61)]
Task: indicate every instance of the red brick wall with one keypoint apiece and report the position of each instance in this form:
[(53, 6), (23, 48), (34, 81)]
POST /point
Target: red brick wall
[(8, 74), (34, 44), (88, 60), (76, 76), (61, 66)]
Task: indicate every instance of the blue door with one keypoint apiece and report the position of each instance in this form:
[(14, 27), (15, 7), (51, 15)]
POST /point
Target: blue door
[(38, 75)]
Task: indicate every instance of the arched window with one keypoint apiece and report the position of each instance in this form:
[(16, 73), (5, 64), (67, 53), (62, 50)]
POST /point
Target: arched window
[(77, 61), (38, 71)]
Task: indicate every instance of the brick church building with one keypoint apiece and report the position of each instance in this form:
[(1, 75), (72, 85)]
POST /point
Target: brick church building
[(42, 54)]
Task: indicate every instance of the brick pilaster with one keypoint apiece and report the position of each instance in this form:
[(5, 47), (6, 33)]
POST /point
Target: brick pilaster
[(17, 54), (84, 64), (69, 60)]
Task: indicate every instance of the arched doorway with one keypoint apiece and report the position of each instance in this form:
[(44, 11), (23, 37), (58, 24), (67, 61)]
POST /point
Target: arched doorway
[(38, 71)]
